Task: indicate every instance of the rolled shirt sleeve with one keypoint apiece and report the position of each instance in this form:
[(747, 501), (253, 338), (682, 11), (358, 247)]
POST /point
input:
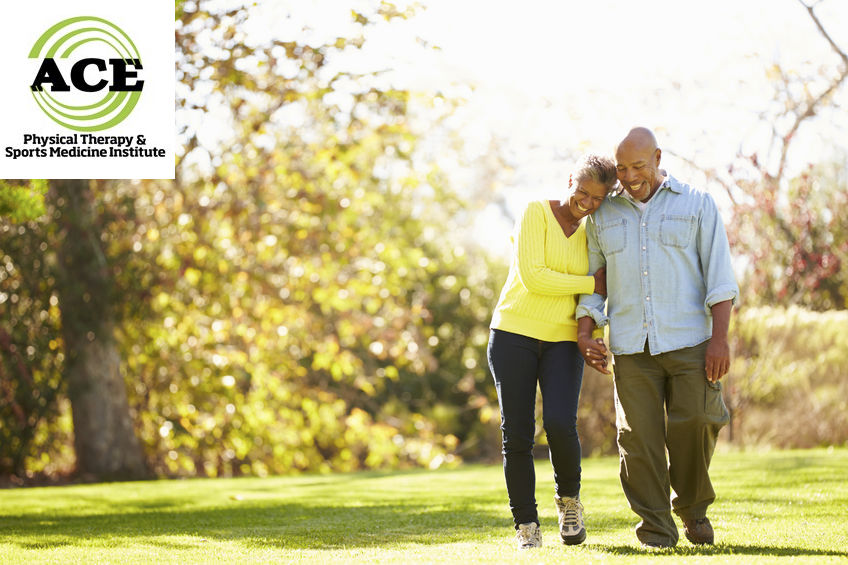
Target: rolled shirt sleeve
[(714, 251), (593, 304)]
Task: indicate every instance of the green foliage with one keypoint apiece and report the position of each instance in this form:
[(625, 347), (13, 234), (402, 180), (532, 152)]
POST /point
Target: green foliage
[(787, 382), (20, 202), (306, 310), (296, 299), (315, 322), (33, 435), (770, 507)]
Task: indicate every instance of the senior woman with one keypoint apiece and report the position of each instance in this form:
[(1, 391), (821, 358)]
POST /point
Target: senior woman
[(534, 339)]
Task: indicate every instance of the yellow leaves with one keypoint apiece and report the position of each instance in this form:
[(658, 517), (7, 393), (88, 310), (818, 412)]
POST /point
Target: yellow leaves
[(357, 418), (321, 361), (192, 276), (310, 207), (21, 202), (372, 306), (162, 299), (488, 413), (186, 423), (365, 385)]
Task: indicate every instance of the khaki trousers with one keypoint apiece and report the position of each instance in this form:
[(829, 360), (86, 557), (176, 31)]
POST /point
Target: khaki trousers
[(664, 402)]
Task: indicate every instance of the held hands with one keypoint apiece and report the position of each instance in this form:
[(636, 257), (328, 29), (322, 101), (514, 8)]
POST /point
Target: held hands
[(601, 281), (594, 351), (717, 359)]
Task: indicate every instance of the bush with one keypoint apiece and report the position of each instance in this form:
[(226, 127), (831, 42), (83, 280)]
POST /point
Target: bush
[(787, 384)]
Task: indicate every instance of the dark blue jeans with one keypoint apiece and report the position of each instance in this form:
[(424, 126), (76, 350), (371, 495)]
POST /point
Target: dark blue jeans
[(517, 364)]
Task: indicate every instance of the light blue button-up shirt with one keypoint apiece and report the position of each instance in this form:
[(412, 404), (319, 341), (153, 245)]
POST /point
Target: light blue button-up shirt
[(667, 265)]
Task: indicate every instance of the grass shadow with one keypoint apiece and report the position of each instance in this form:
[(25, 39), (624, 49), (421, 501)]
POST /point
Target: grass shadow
[(719, 549), (290, 526), (279, 525)]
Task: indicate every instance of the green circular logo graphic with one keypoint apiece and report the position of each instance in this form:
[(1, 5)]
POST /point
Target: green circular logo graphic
[(75, 99)]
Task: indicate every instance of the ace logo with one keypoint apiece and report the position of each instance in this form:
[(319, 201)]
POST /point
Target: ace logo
[(75, 98), (88, 90)]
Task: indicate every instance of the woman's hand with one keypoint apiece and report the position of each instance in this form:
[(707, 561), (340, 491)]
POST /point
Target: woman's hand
[(601, 281), (594, 351)]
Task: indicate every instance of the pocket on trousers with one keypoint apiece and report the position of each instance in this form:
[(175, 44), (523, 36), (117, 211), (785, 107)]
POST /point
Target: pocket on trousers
[(714, 406)]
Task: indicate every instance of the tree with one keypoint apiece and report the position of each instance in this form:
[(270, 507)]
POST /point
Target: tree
[(104, 436), (793, 241), (295, 299)]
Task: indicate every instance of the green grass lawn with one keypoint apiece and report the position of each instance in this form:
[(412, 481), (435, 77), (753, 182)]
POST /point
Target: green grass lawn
[(779, 507)]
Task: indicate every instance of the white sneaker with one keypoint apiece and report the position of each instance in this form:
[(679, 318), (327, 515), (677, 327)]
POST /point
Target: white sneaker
[(571, 528), (528, 536)]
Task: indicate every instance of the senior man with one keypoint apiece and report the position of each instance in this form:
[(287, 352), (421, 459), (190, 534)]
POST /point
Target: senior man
[(671, 289)]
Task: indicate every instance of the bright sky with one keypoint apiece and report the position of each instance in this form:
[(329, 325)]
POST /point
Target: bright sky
[(553, 78)]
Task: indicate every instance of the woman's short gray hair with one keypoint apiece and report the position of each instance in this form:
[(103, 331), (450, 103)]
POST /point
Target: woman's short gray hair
[(596, 168)]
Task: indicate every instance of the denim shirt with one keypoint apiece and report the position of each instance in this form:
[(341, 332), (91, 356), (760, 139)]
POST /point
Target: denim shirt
[(666, 267)]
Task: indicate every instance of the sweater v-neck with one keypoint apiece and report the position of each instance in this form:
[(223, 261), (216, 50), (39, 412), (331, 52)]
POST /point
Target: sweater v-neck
[(562, 228)]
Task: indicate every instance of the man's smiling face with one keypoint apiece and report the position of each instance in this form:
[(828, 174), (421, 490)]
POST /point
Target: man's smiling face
[(637, 167)]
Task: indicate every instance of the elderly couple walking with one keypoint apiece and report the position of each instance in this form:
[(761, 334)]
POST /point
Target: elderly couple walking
[(660, 261)]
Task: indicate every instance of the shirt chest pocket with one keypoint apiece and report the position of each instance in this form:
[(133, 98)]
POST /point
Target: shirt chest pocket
[(677, 230), (613, 237)]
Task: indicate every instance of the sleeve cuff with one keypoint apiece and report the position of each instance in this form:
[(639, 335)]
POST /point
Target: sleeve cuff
[(721, 294), (600, 318)]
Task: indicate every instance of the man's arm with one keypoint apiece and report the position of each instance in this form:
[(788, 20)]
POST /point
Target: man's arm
[(718, 350), (714, 253), (593, 304), (722, 290), (590, 309)]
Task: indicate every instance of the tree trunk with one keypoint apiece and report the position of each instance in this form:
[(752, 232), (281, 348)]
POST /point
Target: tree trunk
[(104, 437)]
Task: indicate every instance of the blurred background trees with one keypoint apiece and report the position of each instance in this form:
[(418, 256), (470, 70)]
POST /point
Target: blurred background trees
[(786, 227), (22, 201), (789, 235), (306, 296), (294, 301)]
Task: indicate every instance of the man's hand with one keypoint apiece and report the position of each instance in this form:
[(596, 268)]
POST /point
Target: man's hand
[(718, 359), (718, 351), (594, 351)]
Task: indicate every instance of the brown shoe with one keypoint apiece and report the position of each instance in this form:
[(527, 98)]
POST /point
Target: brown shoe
[(699, 530), (655, 546)]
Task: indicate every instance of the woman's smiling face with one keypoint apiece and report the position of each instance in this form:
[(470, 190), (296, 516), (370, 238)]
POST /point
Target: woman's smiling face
[(586, 198)]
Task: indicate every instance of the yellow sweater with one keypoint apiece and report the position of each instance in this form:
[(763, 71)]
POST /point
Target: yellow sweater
[(546, 277)]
